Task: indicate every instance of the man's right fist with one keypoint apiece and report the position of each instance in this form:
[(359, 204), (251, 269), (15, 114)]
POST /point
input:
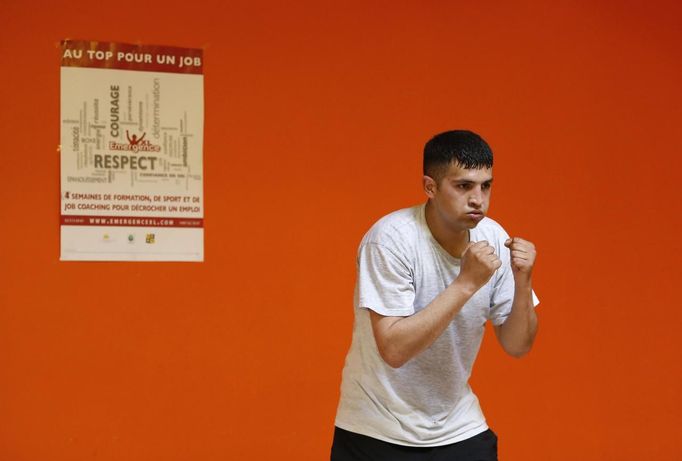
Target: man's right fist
[(479, 262)]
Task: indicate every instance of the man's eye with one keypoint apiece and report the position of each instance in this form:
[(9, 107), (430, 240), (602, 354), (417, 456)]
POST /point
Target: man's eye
[(486, 186), (463, 186)]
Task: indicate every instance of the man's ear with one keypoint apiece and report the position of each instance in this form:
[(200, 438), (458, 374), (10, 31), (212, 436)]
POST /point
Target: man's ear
[(430, 186)]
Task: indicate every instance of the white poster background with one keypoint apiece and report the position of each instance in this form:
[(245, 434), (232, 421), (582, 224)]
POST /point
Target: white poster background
[(131, 157)]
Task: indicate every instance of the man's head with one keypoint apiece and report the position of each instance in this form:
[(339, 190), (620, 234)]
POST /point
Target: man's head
[(464, 148), (457, 178)]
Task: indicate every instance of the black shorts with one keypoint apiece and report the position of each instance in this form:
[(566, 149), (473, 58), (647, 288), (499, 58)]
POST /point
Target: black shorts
[(349, 446)]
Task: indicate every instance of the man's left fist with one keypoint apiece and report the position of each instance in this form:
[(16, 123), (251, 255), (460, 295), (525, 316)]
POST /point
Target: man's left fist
[(522, 256)]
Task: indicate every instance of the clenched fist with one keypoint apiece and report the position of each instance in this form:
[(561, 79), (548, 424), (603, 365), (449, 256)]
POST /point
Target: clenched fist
[(522, 256), (479, 262)]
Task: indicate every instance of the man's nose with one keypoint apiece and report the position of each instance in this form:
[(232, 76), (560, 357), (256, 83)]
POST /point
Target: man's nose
[(475, 198)]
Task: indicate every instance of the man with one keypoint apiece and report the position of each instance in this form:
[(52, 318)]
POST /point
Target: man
[(429, 277)]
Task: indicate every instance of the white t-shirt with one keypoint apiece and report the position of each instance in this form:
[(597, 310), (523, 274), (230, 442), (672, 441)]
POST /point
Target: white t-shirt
[(401, 268)]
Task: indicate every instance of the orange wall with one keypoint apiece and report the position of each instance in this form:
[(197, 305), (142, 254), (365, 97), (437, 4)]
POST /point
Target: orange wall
[(316, 113)]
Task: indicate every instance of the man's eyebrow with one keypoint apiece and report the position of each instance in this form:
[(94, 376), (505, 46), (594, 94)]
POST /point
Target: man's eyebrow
[(469, 181)]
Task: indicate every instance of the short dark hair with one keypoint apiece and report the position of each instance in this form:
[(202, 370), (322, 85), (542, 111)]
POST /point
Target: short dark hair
[(462, 147)]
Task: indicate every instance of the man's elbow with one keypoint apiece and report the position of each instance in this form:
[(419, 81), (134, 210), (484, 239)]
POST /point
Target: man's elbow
[(392, 357), (518, 353), (389, 347), (514, 344), (518, 350)]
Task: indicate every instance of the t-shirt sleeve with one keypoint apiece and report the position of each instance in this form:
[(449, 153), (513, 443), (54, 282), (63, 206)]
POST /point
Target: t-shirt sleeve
[(503, 289), (385, 281)]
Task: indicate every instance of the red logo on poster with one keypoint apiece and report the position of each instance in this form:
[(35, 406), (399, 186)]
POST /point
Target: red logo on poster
[(135, 144)]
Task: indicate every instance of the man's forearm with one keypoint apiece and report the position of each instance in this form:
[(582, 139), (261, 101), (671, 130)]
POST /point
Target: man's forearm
[(399, 339), (518, 332)]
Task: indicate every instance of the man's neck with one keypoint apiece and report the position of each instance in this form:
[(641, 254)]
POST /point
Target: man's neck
[(454, 242)]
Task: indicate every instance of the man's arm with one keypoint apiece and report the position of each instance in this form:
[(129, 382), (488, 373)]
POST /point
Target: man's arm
[(401, 338), (517, 333)]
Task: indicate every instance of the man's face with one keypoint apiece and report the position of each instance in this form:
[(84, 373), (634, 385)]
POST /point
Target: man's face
[(461, 197)]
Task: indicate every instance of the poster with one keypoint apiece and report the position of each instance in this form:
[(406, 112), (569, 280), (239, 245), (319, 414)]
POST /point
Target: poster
[(131, 152)]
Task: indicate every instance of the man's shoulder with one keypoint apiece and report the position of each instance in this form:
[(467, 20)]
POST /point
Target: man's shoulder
[(400, 226)]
